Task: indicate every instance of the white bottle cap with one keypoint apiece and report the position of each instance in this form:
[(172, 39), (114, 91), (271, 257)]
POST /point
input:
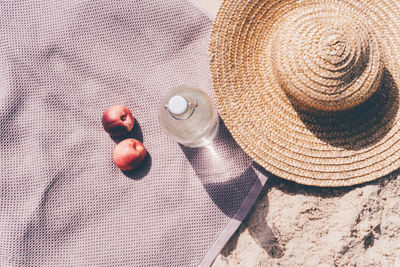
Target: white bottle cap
[(177, 105)]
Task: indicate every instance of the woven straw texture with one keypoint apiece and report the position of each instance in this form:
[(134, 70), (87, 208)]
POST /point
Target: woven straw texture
[(309, 88), (63, 202)]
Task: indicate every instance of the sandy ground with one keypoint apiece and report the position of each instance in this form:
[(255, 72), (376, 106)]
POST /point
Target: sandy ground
[(296, 225)]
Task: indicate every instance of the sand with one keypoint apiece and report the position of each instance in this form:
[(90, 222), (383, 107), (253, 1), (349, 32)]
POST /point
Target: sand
[(296, 225)]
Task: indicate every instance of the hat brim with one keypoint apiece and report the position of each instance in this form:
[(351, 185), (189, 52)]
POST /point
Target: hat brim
[(335, 149)]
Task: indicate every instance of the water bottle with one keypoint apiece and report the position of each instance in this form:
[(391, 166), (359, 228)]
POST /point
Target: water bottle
[(188, 116)]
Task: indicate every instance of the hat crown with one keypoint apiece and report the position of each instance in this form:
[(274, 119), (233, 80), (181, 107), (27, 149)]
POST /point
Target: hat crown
[(329, 55), (333, 48), (326, 61)]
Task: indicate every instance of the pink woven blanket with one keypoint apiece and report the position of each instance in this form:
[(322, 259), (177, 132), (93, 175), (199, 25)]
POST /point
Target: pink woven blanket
[(63, 202)]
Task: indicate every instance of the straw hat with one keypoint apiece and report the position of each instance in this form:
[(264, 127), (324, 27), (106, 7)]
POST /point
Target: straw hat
[(309, 88)]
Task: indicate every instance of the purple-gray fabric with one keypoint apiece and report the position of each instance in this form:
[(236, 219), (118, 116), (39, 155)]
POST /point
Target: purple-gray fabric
[(63, 202)]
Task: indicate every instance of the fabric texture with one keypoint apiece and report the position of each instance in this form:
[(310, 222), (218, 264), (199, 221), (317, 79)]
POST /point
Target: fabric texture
[(63, 202)]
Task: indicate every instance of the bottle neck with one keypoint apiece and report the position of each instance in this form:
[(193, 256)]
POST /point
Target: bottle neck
[(181, 108)]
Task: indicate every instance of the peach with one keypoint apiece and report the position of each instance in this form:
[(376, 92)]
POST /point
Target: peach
[(117, 120), (128, 154)]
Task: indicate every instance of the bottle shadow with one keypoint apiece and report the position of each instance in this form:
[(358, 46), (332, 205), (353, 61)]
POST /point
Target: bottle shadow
[(225, 170)]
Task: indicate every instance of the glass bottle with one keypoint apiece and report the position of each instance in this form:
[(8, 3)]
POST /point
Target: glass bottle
[(188, 116)]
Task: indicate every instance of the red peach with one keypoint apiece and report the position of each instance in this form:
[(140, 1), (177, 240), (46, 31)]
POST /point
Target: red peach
[(128, 154), (117, 120)]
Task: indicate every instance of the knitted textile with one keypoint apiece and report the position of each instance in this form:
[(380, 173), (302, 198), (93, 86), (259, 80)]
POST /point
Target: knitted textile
[(63, 202)]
